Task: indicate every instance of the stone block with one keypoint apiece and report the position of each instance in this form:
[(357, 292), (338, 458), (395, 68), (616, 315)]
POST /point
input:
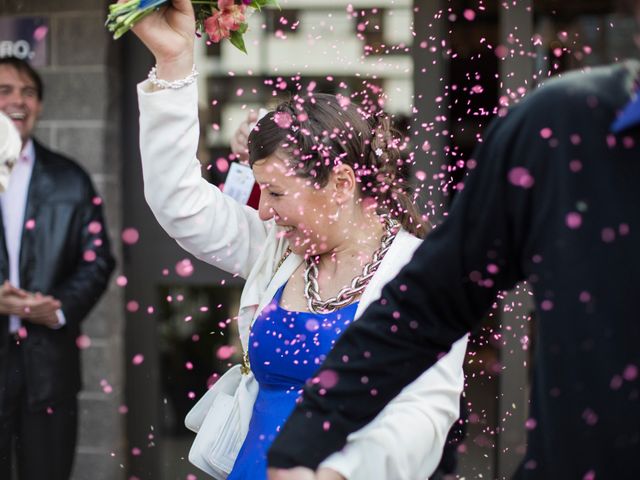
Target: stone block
[(102, 368), (107, 317), (98, 466), (45, 134), (79, 40), (110, 192), (101, 425), (85, 145), (74, 95)]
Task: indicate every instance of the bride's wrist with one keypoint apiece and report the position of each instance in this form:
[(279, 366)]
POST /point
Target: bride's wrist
[(162, 84), (174, 69)]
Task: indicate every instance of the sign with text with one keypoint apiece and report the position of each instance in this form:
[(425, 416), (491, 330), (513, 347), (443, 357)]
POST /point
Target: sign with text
[(25, 38)]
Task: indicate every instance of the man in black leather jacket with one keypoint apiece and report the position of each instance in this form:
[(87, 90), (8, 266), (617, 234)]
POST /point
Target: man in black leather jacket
[(55, 263)]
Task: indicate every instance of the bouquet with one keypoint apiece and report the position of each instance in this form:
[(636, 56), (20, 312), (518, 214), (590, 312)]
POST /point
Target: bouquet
[(219, 19)]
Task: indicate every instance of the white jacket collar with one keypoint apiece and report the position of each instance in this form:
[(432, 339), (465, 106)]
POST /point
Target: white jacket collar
[(263, 283)]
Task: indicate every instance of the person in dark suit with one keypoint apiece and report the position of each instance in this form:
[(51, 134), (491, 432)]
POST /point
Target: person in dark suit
[(55, 263)]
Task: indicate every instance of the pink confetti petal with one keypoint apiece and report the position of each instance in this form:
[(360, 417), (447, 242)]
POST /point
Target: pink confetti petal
[(40, 33), (225, 352), (574, 220), (630, 373), (222, 164), (95, 228), (328, 379), (282, 119), (520, 177), (130, 236), (83, 342), (184, 268)]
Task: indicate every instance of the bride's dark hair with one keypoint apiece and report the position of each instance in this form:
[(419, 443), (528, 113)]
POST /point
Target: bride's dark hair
[(320, 131)]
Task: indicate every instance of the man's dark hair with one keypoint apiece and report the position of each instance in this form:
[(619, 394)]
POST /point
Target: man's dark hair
[(24, 67)]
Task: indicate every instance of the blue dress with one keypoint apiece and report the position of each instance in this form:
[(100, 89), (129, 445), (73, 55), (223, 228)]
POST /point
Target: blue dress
[(285, 350)]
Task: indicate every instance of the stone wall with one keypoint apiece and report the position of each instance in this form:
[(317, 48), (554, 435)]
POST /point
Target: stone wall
[(82, 110)]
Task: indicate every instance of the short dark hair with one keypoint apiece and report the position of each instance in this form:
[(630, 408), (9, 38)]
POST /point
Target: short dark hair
[(24, 67)]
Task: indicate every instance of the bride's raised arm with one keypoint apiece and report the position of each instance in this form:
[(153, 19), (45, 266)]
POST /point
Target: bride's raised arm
[(205, 222)]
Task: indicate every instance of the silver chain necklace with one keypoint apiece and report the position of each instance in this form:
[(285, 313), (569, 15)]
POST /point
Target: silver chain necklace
[(358, 284)]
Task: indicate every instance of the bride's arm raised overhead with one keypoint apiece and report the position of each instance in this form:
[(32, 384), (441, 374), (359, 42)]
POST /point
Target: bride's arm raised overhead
[(208, 224)]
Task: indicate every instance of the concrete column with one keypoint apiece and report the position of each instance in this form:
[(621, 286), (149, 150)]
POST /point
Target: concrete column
[(142, 265), (516, 71), (517, 63), (430, 116)]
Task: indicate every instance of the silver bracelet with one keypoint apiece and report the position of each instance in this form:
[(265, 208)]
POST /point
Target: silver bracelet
[(174, 84)]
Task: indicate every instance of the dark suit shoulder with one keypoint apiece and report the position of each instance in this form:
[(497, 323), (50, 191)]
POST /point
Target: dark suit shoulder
[(69, 177), (583, 102), (607, 87), (58, 162)]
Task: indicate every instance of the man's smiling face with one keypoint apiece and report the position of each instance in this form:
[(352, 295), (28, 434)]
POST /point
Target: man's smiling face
[(19, 100)]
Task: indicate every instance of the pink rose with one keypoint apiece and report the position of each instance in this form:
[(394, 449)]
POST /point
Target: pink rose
[(215, 29), (228, 18)]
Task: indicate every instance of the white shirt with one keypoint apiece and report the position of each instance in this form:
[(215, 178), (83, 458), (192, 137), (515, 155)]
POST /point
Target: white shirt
[(14, 203)]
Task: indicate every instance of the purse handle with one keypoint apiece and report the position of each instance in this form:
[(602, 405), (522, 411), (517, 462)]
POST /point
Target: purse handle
[(245, 366)]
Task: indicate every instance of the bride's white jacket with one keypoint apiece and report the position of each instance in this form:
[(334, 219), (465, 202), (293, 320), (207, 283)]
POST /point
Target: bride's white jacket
[(406, 439)]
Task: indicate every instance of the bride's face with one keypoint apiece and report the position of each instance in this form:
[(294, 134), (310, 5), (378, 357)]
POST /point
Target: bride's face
[(306, 213)]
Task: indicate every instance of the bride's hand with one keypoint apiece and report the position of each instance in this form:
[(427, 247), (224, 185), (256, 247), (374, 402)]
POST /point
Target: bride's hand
[(169, 34)]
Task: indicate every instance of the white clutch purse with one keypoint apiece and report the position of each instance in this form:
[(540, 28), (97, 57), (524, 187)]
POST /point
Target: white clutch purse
[(220, 420)]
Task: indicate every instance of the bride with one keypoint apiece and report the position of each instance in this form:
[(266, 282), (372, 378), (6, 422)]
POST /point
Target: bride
[(335, 223)]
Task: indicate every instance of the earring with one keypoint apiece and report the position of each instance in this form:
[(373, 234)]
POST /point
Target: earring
[(335, 216)]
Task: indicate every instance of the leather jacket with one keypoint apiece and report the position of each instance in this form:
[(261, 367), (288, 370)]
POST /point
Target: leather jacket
[(67, 255)]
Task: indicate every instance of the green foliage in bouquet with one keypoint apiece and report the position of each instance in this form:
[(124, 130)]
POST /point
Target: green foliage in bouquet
[(219, 19)]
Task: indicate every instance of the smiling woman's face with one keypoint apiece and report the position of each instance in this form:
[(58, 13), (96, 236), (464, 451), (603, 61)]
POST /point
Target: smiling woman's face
[(305, 211)]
